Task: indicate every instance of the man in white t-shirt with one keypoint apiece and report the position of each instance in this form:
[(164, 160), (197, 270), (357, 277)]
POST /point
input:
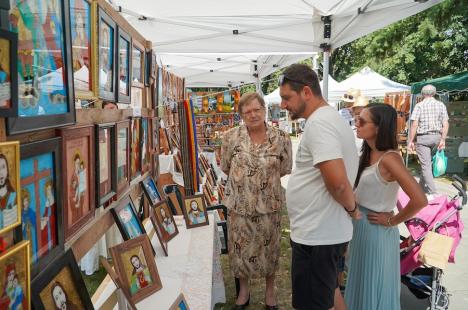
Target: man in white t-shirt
[(319, 196)]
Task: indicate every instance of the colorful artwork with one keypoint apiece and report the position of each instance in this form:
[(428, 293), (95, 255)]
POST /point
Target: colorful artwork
[(124, 66), (41, 57), (61, 292), (135, 148), (105, 183), (180, 303), (77, 161), (122, 153), (145, 155), (38, 204), (165, 221), (106, 55), (195, 211), (138, 272), (151, 190), (129, 221), (14, 278), (5, 74), (80, 19), (137, 60), (10, 213)]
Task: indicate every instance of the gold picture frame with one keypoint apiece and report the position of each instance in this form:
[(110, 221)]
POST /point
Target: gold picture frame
[(9, 152)]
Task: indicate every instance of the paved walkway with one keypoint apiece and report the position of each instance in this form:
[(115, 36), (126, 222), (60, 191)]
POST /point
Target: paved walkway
[(455, 278)]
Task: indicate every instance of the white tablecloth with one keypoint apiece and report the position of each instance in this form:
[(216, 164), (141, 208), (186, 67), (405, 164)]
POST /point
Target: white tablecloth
[(193, 267), (166, 165)]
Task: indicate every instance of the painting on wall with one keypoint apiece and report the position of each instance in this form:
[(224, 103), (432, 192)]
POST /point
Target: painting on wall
[(123, 155), (135, 148), (107, 34), (8, 74), (124, 81), (106, 186), (127, 220), (10, 194)]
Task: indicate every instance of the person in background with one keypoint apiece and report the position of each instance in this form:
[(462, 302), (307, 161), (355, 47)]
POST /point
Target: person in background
[(374, 255), (358, 105), (348, 99), (255, 156), (319, 196), (430, 126), (110, 105)]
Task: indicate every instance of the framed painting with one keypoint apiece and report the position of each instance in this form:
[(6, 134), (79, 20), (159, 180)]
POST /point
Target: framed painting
[(115, 278), (154, 92), (60, 286), (80, 19), (138, 64), (123, 66), (163, 218), (106, 176), (123, 155), (136, 99), (195, 213), (151, 191), (154, 134), (160, 99), (106, 52), (45, 91), (135, 265), (10, 194), (159, 234), (180, 303), (145, 145), (154, 66), (155, 165), (8, 74), (41, 201), (78, 175), (148, 68), (127, 220), (135, 148)]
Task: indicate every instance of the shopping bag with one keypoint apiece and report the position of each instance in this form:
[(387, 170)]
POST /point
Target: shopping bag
[(439, 163), (435, 250)]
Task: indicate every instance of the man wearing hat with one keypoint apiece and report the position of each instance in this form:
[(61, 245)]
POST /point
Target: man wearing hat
[(349, 98)]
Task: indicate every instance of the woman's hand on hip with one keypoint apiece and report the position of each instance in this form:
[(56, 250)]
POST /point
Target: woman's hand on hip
[(379, 218)]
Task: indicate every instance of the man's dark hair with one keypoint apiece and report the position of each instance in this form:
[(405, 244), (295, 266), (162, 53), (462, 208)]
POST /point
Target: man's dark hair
[(297, 76)]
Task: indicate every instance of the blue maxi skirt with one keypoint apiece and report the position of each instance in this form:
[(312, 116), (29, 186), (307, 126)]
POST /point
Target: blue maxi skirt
[(373, 281)]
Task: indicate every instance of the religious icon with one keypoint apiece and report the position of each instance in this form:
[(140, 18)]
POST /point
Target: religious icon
[(123, 154), (106, 56), (150, 190), (135, 148), (127, 220), (124, 82), (180, 303), (14, 278), (135, 265), (145, 154), (10, 212), (163, 218), (60, 286), (8, 74), (80, 19), (195, 213), (105, 163)]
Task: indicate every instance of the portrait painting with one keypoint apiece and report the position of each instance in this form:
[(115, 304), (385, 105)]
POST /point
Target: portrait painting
[(10, 194), (124, 82), (105, 163), (136, 97), (195, 213), (8, 74), (127, 220), (106, 80), (41, 201), (135, 265), (123, 155), (163, 218), (145, 145), (138, 57), (43, 90), (180, 303), (135, 148), (60, 286), (80, 19), (78, 165), (15, 278), (151, 191)]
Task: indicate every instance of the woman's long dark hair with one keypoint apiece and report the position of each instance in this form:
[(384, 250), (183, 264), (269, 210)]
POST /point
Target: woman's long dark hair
[(385, 118)]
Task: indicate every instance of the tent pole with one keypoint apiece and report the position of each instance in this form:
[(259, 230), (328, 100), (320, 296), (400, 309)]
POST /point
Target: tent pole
[(258, 87), (326, 68)]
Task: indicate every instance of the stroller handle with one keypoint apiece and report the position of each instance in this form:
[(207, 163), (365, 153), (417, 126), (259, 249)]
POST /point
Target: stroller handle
[(461, 192), (460, 180)]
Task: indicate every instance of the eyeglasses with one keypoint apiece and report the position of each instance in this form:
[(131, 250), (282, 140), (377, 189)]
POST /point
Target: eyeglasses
[(254, 111), (350, 97), (282, 78), (362, 122)]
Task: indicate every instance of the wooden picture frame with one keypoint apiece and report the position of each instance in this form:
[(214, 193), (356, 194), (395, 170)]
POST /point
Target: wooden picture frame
[(145, 145), (78, 175), (8, 74), (45, 93), (154, 145), (62, 277), (157, 230), (134, 262), (151, 190), (197, 217), (126, 218), (14, 265), (124, 80), (138, 64), (10, 161), (81, 17), (162, 217), (160, 93), (180, 303), (106, 166), (135, 147), (41, 184), (115, 278), (154, 65), (107, 34), (148, 73), (122, 151)]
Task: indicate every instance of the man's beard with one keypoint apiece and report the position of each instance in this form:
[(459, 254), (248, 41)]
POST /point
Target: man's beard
[(299, 112)]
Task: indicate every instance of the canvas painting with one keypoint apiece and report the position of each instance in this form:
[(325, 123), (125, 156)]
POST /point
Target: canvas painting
[(123, 177), (195, 211), (80, 19), (151, 191), (135, 148), (165, 221), (124, 66), (42, 88), (127, 220), (61, 292), (15, 277), (106, 57), (10, 212), (38, 204)]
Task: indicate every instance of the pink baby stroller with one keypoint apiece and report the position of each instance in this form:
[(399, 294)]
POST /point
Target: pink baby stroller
[(442, 216)]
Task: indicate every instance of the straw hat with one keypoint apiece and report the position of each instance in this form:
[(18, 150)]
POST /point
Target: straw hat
[(360, 101), (351, 95)]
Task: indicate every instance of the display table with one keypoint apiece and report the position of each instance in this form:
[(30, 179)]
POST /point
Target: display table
[(193, 267)]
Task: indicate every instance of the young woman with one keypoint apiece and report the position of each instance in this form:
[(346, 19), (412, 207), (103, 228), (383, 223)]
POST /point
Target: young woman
[(374, 263)]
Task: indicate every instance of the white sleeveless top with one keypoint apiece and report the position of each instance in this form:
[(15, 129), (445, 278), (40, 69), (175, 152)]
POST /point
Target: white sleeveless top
[(374, 192)]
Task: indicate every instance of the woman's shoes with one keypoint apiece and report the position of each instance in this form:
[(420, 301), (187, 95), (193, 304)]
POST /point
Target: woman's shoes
[(244, 306)]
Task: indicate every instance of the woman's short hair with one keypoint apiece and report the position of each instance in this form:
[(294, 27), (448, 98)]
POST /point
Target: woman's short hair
[(248, 98)]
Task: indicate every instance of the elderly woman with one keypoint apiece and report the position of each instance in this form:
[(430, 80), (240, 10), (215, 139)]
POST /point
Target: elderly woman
[(254, 156)]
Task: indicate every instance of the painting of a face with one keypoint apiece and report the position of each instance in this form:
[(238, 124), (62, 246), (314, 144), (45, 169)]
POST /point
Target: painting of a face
[(60, 299), (10, 210), (3, 171), (80, 18), (5, 83)]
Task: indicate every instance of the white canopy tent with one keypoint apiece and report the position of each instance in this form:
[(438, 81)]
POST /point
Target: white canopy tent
[(372, 84), (261, 26)]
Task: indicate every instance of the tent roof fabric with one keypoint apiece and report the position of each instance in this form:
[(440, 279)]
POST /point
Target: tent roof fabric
[(449, 83)]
